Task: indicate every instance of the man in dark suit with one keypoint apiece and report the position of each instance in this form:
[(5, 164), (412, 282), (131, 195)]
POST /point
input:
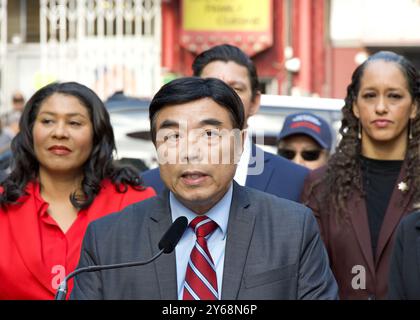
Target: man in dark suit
[(257, 169), (241, 243), (404, 275)]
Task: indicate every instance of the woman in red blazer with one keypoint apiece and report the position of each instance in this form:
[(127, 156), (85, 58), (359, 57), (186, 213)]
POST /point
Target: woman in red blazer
[(371, 181), (63, 177)]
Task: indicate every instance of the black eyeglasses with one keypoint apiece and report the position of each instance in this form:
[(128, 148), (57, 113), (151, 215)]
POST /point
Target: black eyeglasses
[(307, 155)]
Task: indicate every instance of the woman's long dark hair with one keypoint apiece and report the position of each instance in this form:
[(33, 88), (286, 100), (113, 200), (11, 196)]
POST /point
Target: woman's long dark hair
[(343, 171), (99, 166)]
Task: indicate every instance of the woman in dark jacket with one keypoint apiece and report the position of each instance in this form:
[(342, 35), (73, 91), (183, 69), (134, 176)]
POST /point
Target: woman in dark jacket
[(404, 274), (371, 181)]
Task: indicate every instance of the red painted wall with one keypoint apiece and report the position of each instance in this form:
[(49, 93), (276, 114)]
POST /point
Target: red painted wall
[(308, 44), (269, 63), (178, 60), (342, 68)]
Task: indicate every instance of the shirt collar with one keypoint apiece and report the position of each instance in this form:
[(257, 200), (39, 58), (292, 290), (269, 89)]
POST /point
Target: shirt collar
[(242, 168), (41, 205), (247, 148), (219, 213)]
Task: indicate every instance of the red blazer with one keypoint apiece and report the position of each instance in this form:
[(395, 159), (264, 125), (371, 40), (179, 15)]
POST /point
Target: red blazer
[(24, 273), (349, 245)]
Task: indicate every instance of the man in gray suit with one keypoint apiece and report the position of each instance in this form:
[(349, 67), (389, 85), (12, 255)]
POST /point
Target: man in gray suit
[(241, 243)]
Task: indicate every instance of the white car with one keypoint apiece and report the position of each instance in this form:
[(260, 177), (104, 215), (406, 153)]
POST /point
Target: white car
[(130, 121), (265, 126)]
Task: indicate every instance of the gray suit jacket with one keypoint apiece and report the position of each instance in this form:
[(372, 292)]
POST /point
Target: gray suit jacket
[(273, 251)]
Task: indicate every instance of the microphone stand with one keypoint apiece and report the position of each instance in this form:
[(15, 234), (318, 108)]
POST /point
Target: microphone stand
[(62, 289)]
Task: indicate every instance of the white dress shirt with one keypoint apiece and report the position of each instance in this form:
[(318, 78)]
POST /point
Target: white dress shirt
[(242, 168), (216, 241)]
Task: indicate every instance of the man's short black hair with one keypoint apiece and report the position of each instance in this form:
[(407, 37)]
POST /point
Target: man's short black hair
[(226, 53), (189, 89)]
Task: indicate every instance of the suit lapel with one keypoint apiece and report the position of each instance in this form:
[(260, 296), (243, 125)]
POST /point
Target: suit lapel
[(396, 208), (359, 219), (239, 234), (166, 264), (259, 181)]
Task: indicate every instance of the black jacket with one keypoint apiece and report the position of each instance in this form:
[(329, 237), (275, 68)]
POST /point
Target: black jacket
[(404, 276)]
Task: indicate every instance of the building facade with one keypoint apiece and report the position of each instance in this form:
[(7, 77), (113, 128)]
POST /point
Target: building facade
[(108, 45), (293, 61), (300, 47)]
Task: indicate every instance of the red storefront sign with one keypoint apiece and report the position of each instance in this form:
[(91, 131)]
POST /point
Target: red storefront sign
[(248, 24)]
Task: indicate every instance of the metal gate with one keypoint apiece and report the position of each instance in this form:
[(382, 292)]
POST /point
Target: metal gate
[(108, 45)]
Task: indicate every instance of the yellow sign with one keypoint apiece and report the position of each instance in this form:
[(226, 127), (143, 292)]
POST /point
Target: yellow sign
[(42, 79), (226, 15)]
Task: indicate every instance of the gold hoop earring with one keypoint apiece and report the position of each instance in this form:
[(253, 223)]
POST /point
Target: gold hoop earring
[(410, 129)]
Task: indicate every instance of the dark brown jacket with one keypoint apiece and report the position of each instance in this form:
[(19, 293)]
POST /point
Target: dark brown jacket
[(348, 243)]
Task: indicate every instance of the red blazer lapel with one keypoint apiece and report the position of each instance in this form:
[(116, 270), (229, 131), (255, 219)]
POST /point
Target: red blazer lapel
[(397, 207), (358, 216), (23, 221)]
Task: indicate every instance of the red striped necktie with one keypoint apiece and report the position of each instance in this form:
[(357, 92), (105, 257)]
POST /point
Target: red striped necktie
[(200, 278)]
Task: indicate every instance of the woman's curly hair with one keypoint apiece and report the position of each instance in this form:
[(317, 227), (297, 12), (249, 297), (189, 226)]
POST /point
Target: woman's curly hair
[(343, 170), (99, 166)]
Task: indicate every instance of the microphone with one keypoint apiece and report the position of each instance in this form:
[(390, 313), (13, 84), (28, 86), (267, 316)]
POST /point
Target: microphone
[(166, 244)]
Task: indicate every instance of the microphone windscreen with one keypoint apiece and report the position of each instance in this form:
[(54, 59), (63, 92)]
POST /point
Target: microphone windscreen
[(171, 238)]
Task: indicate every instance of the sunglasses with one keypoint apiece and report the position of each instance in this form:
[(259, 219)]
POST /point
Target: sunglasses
[(307, 155)]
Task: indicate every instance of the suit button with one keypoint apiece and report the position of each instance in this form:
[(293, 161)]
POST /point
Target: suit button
[(371, 297)]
